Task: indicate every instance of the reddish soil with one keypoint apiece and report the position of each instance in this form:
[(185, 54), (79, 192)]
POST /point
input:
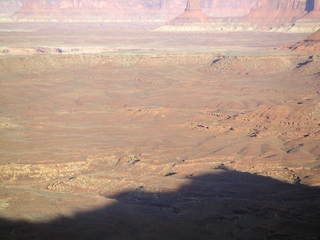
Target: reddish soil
[(170, 139), (315, 36), (310, 44)]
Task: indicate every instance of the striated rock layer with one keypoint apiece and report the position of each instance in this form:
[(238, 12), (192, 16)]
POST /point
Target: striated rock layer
[(293, 15), (223, 15), (229, 8), (91, 10), (272, 13), (264, 15), (315, 13), (160, 10), (277, 15), (309, 22), (192, 14)]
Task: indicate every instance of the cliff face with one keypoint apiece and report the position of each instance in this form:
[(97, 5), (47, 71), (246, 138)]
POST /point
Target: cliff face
[(228, 8), (192, 14), (82, 9), (102, 9), (315, 13), (309, 22), (118, 9), (316, 5), (269, 13), (277, 12)]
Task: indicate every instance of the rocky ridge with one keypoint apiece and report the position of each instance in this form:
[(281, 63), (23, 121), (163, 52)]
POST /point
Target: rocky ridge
[(310, 44)]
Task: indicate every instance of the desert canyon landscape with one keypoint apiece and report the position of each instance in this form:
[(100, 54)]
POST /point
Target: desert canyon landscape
[(160, 119)]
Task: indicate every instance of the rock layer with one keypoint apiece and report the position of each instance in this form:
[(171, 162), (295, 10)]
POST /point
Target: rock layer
[(192, 14), (264, 15), (93, 9), (310, 21), (315, 13), (230, 15), (135, 9), (272, 13), (230, 8)]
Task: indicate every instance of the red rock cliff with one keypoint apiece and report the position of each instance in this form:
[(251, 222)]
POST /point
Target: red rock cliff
[(277, 12), (192, 14), (115, 8), (80, 9), (269, 12), (317, 5), (315, 13), (228, 8)]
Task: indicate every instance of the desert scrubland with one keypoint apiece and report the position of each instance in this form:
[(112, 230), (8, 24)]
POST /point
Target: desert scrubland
[(160, 130)]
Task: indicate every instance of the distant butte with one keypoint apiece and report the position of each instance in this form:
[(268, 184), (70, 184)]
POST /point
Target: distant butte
[(264, 15), (223, 15), (275, 13), (192, 14), (43, 10)]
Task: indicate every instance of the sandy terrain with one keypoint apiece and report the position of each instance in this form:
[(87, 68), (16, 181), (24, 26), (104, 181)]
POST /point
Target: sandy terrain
[(107, 37), (311, 44), (134, 134)]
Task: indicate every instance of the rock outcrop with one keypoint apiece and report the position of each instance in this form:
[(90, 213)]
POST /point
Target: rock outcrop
[(276, 13), (93, 10), (192, 14), (159, 10), (314, 10), (230, 8), (229, 15), (310, 21), (310, 44)]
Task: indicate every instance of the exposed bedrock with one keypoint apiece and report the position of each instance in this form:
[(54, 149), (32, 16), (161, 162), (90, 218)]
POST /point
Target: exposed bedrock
[(119, 10), (192, 14), (310, 21), (310, 44), (229, 8), (223, 15), (272, 13)]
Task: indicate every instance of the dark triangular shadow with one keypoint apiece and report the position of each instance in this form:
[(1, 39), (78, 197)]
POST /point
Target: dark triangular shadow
[(225, 205)]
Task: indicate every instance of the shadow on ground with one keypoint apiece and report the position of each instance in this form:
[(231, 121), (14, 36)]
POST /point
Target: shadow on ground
[(226, 205)]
